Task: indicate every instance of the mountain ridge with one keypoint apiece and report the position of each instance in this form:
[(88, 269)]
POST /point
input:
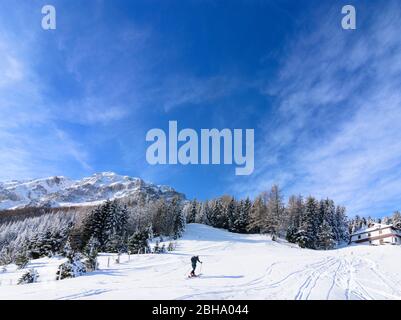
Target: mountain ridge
[(60, 191)]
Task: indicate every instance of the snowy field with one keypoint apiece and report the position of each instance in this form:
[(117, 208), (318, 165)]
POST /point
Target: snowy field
[(235, 267)]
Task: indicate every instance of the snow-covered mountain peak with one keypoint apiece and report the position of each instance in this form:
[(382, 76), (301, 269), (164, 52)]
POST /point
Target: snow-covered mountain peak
[(105, 178), (61, 191)]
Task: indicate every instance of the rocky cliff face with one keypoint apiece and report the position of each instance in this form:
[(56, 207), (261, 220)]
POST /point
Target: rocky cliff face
[(62, 191)]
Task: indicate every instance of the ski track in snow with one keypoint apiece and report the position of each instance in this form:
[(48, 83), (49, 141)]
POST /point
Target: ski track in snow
[(235, 267), (88, 293)]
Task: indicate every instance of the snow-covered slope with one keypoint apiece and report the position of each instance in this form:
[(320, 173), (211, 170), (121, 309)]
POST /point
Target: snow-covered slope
[(234, 267), (61, 191)]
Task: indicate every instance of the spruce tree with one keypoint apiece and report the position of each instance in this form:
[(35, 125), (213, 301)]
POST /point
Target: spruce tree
[(209, 213), (191, 218), (177, 218), (95, 225), (138, 242), (74, 267), (230, 213), (21, 260), (310, 222), (241, 220), (116, 228), (325, 237), (31, 276), (91, 254), (341, 225), (216, 216)]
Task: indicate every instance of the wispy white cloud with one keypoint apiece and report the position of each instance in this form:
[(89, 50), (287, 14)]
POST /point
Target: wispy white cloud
[(46, 129), (75, 150), (188, 90), (11, 71), (92, 111), (31, 143), (336, 129)]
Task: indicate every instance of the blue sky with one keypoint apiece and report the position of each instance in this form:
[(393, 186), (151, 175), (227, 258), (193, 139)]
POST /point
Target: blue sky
[(325, 103)]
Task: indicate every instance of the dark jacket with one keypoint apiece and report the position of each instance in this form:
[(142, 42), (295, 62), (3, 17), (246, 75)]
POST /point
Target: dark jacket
[(194, 260)]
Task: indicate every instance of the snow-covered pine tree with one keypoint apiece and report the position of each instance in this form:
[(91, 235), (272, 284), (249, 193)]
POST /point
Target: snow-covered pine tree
[(217, 217), (186, 210), (91, 253), (72, 268), (325, 237), (193, 211), (230, 213), (179, 225), (244, 219), (112, 221), (31, 276), (34, 246), (309, 224), (295, 211), (58, 239), (138, 242), (301, 235), (116, 228), (48, 244), (341, 225), (212, 213), (94, 225), (27, 233), (275, 213), (396, 219), (204, 213), (331, 218), (68, 252), (149, 232), (160, 212), (258, 216), (175, 211), (108, 225), (117, 244), (236, 223), (321, 212), (21, 260), (200, 216), (241, 217)]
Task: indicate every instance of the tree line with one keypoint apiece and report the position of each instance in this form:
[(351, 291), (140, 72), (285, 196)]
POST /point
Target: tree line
[(311, 223), (358, 223), (80, 233)]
